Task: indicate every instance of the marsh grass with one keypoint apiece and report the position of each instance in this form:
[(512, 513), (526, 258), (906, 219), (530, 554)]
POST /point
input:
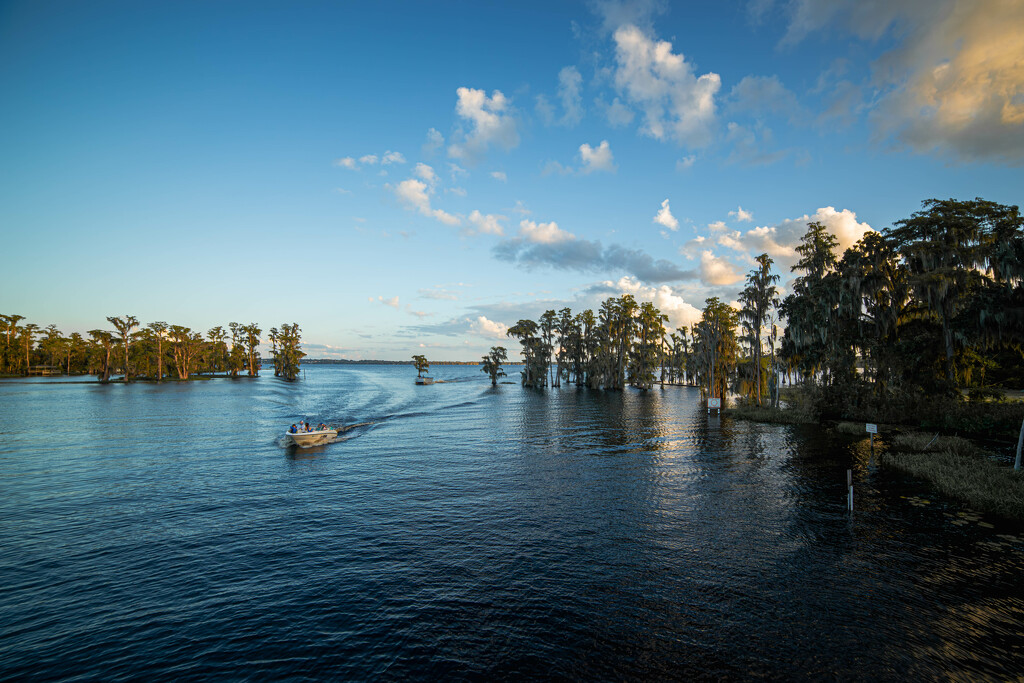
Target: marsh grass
[(855, 428), (789, 416), (959, 469)]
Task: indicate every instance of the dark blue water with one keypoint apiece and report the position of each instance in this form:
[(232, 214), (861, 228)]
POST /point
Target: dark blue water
[(473, 532)]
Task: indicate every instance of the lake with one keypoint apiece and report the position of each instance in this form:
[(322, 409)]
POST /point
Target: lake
[(474, 532)]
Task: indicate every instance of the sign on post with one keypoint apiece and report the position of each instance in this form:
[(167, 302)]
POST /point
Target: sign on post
[(872, 429), (714, 403)]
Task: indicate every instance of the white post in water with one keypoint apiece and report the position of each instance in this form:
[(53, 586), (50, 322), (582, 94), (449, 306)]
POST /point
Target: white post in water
[(1020, 443), (849, 484)]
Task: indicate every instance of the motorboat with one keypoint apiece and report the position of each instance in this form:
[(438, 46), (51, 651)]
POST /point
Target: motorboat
[(424, 380), (314, 438)]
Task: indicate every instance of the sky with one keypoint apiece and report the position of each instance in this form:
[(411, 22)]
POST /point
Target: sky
[(408, 177)]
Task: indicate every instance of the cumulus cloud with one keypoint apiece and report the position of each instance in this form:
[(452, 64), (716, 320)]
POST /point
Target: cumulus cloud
[(665, 217), (415, 194), (741, 215), (677, 104), (591, 159), (543, 233), (596, 158), (664, 297), (488, 224), (425, 173), (386, 159), (490, 120), (488, 328), (499, 175), (953, 85), (715, 270), (717, 226), (780, 241)]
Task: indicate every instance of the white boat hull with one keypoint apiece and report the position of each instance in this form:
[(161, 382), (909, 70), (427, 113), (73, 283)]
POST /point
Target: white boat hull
[(309, 439)]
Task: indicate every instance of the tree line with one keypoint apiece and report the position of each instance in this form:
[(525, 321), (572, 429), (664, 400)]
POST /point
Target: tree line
[(932, 305), (925, 309), (153, 352)]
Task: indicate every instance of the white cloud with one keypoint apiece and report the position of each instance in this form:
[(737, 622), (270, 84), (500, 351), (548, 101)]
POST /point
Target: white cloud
[(414, 193), (715, 270), (491, 123), (686, 163), (489, 328), (457, 191), (499, 175), (596, 158), (717, 225), (489, 224), (569, 84), (346, 162), (741, 215), (392, 158), (677, 104), (368, 159), (664, 297), (425, 173), (665, 217), (780, 241), (435, 141), (543, 233)]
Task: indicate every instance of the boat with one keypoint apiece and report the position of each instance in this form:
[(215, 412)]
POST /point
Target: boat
[(424, 380), (314, 438)]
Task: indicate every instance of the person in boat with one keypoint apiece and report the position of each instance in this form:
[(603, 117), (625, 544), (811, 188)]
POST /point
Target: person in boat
[(293, 430)]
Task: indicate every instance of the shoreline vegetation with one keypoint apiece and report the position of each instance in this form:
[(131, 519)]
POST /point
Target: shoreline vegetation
[(157, 352)]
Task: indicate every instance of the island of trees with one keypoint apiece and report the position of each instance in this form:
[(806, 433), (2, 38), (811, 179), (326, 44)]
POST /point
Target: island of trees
[(156, 351)]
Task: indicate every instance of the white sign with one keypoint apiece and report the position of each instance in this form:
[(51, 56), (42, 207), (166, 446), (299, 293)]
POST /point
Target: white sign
[(715, 403), (872, 429)]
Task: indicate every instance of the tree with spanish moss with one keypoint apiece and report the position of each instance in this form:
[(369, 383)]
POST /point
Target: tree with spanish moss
[(759, 298), (492, 363)]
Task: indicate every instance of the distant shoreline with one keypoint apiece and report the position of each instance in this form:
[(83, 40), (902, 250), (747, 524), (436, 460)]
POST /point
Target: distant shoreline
[(345, 361)]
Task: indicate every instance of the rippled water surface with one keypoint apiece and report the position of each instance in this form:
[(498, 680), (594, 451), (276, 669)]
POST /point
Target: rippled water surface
[(473, 532)]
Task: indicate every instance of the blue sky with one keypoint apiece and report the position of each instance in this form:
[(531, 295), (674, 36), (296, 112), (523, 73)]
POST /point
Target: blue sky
[(405, 178)]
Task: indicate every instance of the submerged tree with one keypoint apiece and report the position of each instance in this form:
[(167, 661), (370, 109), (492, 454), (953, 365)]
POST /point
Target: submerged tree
[(492, 363), (758, 298), (715, 348), (421, 364), (535, 353), (288, 354)]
